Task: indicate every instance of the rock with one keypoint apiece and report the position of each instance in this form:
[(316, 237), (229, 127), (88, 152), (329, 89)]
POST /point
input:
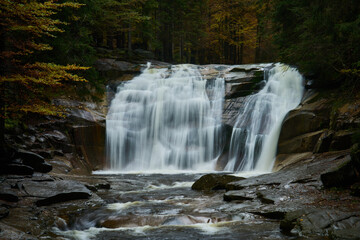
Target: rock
[(16, 169), (342, 140), (224, 157), (214, 182), (109, 64), (323, 143), (35, 161), (29, 156), (345, 234), (267, 197), (239, 195), (47, 154), (10, 233), (4, 212), (286, 160), (8, 194), (355, 190), (279, 215), (318, 221), (294, 173), (232, 107), (299, 144), (342, 176), (90, 143), (298, 123), (55, 136), (56, 191)]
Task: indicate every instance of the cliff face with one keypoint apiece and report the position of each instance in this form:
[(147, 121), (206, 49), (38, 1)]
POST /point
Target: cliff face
[(322, 123)]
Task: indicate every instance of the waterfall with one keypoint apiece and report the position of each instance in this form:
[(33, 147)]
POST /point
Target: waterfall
[(165, 119), (256, 131)]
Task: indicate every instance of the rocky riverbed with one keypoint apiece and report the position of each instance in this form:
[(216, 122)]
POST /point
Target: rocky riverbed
[(47, 190)]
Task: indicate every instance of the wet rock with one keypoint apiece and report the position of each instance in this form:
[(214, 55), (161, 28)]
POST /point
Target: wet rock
[(355, 190), (342, 140), (98, 186), (90, 143), (8, 194), (56, 191), (214, 182), (232, 107), (10, 233), (343, 175), (300, 144), (279, 215), (300, 122), (323, 143), (267, 197), (29, 156), (55, 136), (35, 161), (318, 221), (16, 169), (294, 173), (239, 195), (4, 212), (286, 160), (345, 234), (47, 154)]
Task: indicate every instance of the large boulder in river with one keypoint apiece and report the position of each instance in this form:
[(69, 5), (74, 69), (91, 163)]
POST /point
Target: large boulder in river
[(214, 182)]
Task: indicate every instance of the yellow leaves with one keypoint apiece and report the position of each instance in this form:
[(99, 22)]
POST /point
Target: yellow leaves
[(40, 107), (353, 72)]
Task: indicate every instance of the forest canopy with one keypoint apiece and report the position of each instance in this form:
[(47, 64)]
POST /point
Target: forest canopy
[(47, 45)]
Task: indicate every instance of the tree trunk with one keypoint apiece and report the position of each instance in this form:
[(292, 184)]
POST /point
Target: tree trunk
[(129, 41)]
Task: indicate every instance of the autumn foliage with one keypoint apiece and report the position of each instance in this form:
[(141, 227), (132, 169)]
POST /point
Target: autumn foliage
[(24, 28)]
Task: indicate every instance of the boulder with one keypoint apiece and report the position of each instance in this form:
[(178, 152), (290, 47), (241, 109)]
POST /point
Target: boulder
[(342, 140), (299, 144), (298, 123), (56, 191), (214, 182), (342, 176), (35, 161), (16, 169)]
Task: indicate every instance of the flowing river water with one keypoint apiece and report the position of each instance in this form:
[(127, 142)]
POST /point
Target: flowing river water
[(164, 131), (163, 206)]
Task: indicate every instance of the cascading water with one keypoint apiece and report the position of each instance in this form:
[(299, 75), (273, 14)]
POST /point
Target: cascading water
[(256, 132), (164, 119)]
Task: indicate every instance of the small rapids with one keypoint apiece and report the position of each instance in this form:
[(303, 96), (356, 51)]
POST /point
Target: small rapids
[(136, 209)]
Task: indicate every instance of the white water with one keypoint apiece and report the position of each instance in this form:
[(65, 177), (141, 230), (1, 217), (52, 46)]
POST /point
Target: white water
[(256, 132), (166, 119)]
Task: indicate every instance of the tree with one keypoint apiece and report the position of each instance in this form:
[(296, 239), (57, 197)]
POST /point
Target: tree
[(321, 37), (24, 82)]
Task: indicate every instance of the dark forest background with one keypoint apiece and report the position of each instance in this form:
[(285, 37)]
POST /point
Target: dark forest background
[(49, 45)]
